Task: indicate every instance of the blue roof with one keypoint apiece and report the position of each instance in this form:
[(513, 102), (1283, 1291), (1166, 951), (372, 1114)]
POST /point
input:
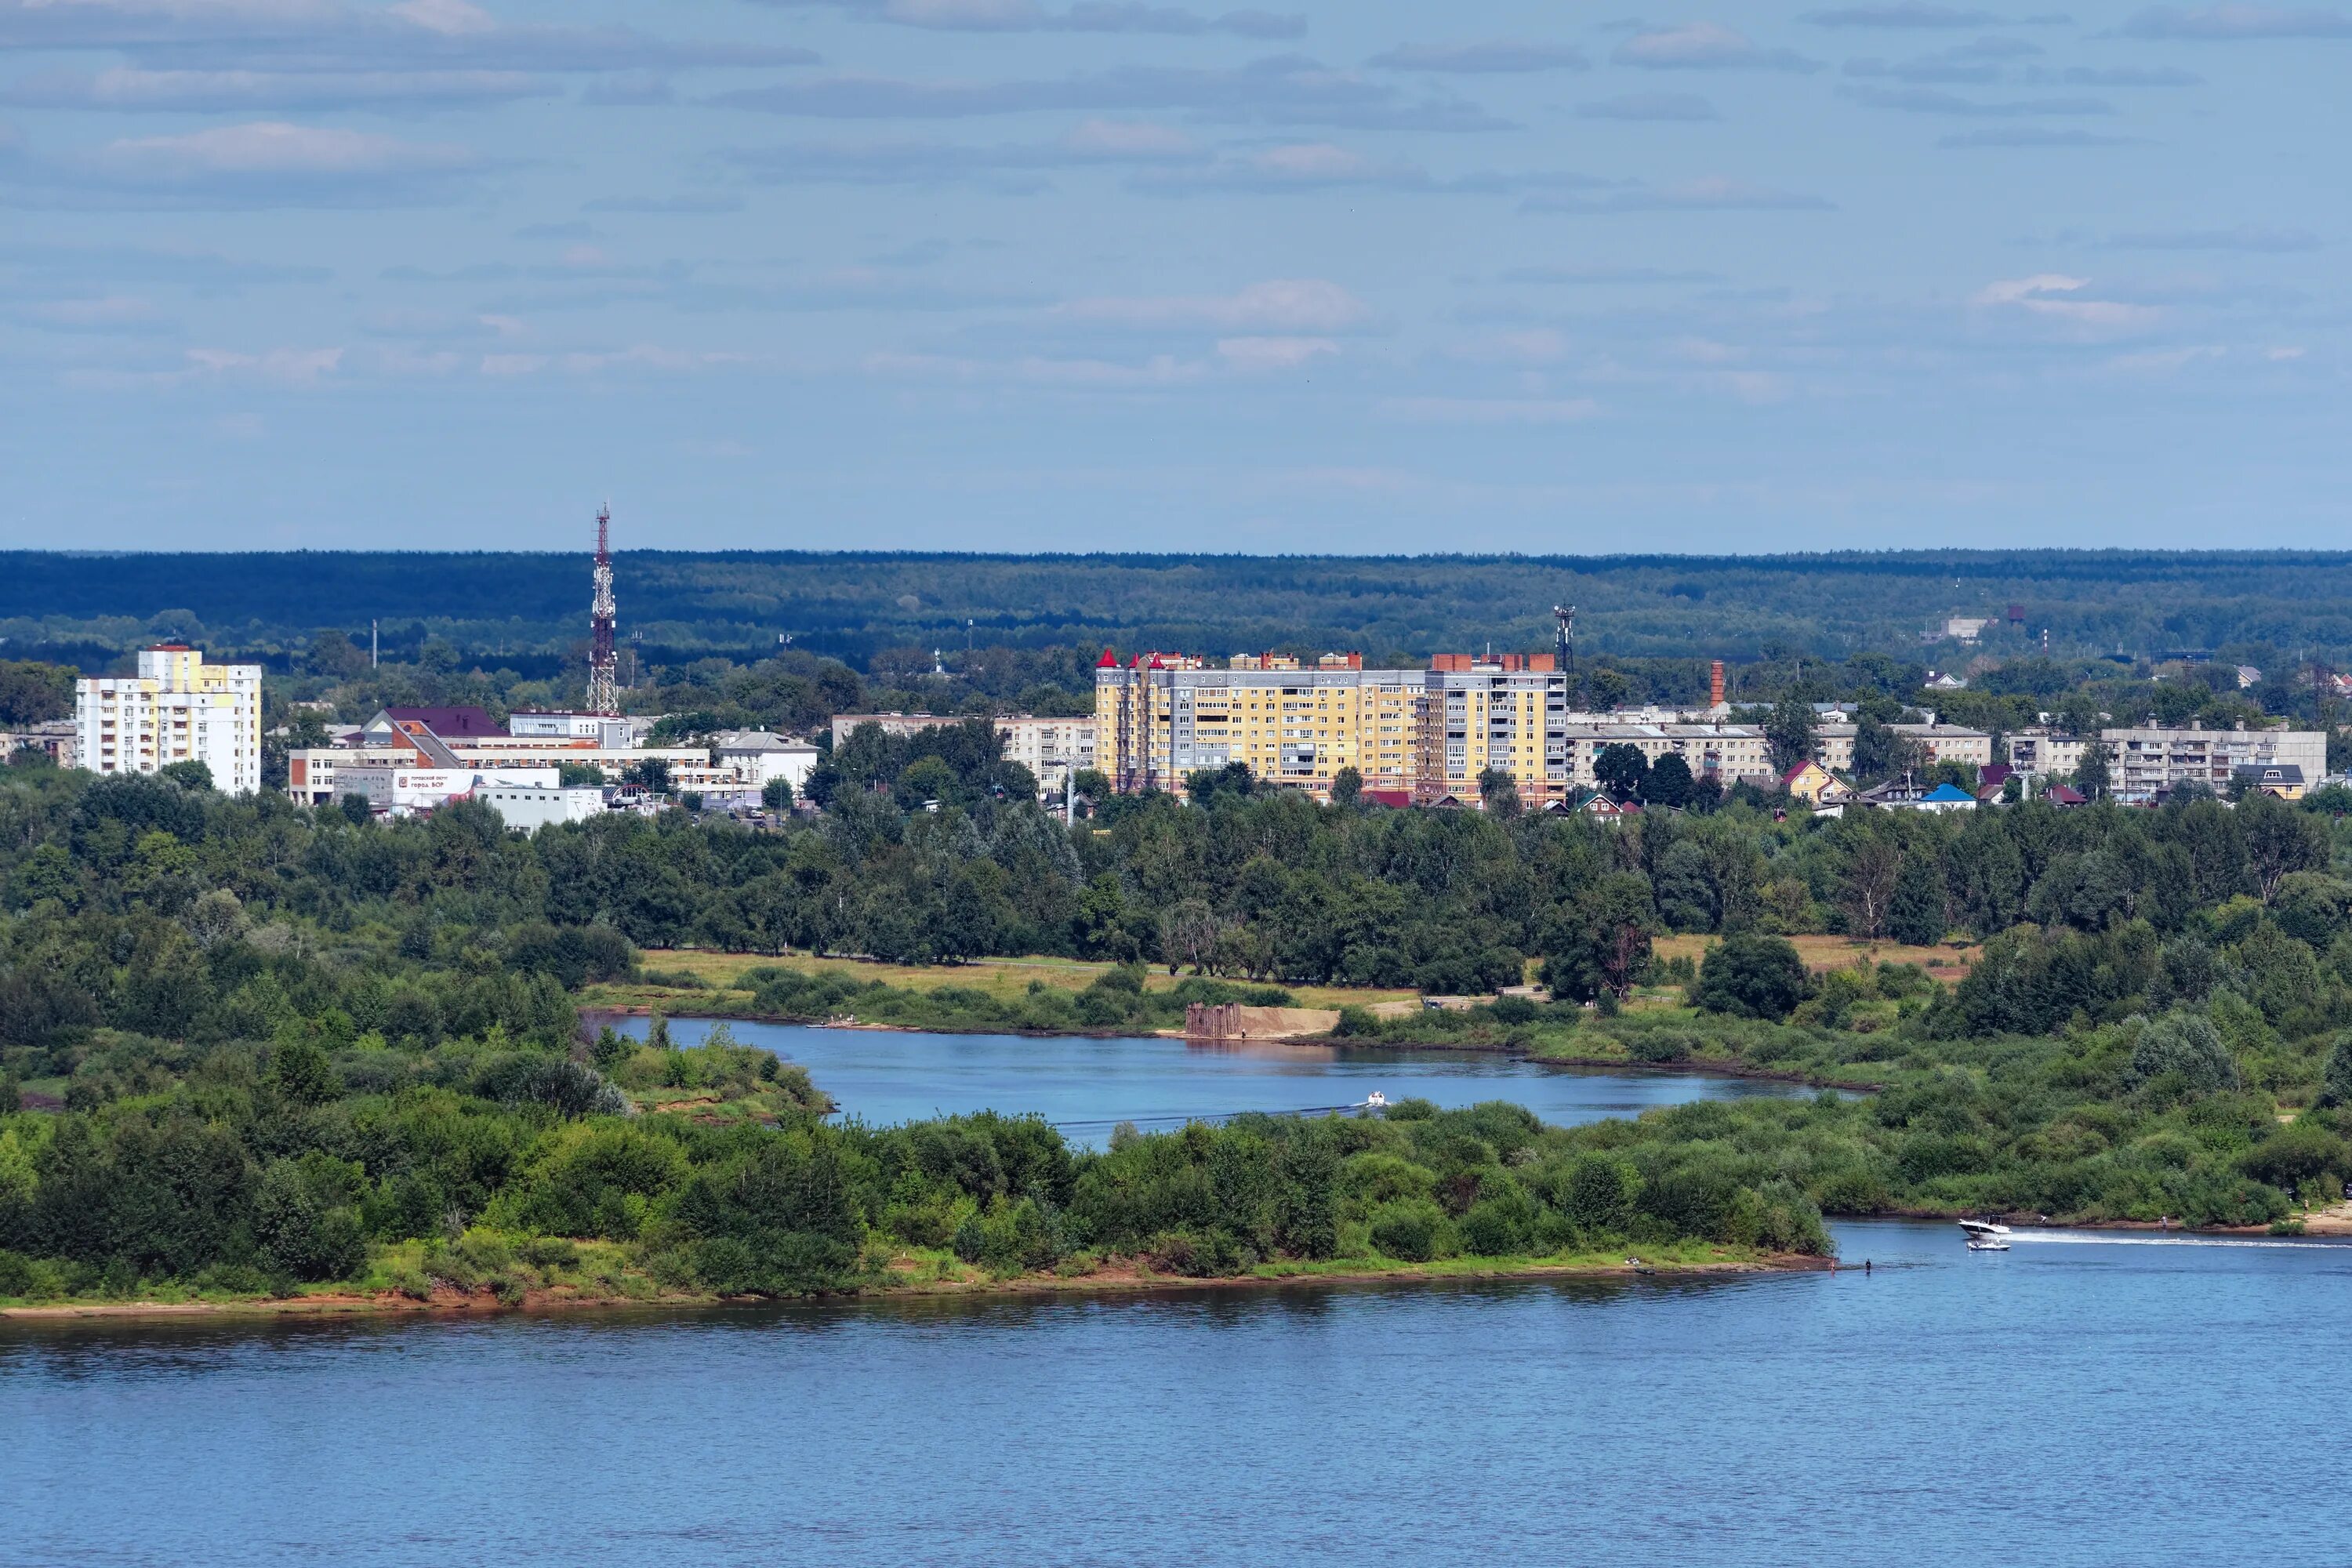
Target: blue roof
[(1944, 792)]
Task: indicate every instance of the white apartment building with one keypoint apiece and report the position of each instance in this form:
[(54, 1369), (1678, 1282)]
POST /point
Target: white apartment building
[(177, 709), (2145, 759), (2042, 751), (1834, 744), (1051, 748)]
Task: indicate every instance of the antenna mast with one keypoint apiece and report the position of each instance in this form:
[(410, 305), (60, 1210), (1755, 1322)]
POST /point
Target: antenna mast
[(603, 695), (1565, 614)]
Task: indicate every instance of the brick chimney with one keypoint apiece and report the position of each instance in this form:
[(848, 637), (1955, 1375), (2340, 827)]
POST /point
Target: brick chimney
[(1715, 683)]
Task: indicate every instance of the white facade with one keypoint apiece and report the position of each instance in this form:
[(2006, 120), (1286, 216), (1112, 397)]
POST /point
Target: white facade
[(755, 757), (397, 790), (605, 728), (1049, 748), (177, 709), (533, 806)]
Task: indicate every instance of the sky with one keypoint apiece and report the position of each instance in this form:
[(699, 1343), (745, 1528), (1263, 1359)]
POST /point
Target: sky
[(1022, 275)]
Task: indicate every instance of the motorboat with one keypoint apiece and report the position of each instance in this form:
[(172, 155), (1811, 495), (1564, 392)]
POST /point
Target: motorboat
[(1984, 1236)]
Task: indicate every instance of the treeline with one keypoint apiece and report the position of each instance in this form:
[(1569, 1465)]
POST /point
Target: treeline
[(856, 606)]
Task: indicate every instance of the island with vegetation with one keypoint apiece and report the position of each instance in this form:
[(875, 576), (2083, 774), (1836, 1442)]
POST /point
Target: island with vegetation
[(250, 1051)]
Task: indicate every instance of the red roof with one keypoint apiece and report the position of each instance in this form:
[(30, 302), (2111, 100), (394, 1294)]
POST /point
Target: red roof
[(1109, 660), (1793, 772), (2060, 795), (1399, 798)]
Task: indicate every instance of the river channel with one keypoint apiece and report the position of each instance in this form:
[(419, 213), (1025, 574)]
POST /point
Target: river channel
[(1088, 1085), (2102, 1401)]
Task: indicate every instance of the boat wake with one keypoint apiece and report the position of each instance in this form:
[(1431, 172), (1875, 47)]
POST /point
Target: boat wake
[(2109, 1238)]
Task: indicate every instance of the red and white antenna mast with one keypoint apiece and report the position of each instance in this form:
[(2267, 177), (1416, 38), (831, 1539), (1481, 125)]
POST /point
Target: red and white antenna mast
[(603, 696)]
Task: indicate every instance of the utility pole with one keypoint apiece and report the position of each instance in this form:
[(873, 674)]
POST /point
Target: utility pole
[(373, 660)]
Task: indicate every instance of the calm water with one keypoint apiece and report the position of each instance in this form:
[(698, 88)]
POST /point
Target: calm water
[(1088, 1085), (2066, 1403)]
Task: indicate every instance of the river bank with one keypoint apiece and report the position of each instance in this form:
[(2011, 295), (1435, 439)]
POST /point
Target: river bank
[(910, 1276)]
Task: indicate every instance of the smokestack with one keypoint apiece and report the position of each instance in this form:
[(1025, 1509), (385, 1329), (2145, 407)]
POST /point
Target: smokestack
[(1715, 683)]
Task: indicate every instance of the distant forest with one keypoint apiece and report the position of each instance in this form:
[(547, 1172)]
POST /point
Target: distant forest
[(527, 612)]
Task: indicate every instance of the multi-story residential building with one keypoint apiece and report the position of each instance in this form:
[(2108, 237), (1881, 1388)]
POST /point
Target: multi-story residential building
[(1427, 734), (1834, 744), (2144, 761), (1165, 716), (1732, 753), (2041, 751), (177, 709), (1050, 748), (2146, 758)]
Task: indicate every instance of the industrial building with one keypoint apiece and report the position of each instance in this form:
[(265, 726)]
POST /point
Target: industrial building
[(177, 709)]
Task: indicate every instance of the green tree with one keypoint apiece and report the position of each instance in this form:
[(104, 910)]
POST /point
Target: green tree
[(1669, 782), (1347, 786), (1751, 975), (189, 774), (1789, 731), (1620, 769), (1600, 942), (2336, 1087), (1498, 792), (2187, 1044), (776, 794), (1919, 913), (2091, 772), (299, 1069)]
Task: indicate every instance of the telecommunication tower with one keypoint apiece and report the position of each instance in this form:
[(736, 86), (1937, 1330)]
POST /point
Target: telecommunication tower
[(603, 696)]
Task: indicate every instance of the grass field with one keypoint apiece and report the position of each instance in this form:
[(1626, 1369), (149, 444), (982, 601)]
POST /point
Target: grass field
[(999, 977), (1948, 963)]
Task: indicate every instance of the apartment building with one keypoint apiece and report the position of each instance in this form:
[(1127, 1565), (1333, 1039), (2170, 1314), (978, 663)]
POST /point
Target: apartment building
[(177, 709), (1049, 748), (1166, 715), (2144, 760), (1732, 753), (1428, 733), (2148, 759), (2042, 751), (1834, 744)]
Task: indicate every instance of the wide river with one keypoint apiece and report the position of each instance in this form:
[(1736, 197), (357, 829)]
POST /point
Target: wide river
[(1088, 1086), (2079, 1400)]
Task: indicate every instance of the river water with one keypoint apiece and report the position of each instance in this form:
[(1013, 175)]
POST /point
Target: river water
[(2069, 1402), (1088, 1085), (2079, 1400)]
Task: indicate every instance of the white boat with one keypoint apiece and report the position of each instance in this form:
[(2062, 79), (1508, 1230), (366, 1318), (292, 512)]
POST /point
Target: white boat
[(1984, 1236)]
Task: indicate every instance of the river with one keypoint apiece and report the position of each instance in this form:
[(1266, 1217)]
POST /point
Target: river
[(1087, 1085), (2085, 1401)]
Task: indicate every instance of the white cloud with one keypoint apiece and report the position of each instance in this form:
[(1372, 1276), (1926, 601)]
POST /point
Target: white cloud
[(1128, 139), (1273, 354), (1706, 46), (1280, 306), (2056, 297), (290, 367)]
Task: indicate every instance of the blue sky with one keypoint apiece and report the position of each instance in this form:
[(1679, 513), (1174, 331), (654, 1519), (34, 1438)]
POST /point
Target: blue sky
[(1120, 274)]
